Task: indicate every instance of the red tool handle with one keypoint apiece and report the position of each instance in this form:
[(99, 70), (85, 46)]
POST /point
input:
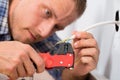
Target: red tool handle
[(57, 60)]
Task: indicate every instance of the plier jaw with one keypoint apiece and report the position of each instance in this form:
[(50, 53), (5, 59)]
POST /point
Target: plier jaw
[(61, 55)]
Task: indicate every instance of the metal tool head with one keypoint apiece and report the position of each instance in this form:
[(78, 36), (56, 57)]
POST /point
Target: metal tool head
[(117, 19), (62, 48)]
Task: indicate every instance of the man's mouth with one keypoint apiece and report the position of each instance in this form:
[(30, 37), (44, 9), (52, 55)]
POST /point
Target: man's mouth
[(33, 37)]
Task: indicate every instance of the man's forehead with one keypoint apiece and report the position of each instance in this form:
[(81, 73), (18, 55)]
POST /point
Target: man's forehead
[(63, 8)]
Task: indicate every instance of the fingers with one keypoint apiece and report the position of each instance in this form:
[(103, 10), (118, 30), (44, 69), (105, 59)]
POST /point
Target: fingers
[(37, 60), (18, 58), (84, 39), (25, 62), (8, 68), (27, 68), (85, 64), (21, 70), (82, 35), (86, 59), (13, 75), (86, 51), (85, 43), (10, 71), (91, 53)]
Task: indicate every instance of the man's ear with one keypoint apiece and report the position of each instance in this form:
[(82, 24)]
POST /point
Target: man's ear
[(12, 5)]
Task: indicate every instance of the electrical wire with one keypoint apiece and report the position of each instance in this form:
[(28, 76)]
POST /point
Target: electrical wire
[(91, 27)]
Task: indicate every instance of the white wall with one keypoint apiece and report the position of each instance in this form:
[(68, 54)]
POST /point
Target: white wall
[(107, 38)]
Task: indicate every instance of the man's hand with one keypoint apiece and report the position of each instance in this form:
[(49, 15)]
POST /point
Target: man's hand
[(86, 56), (16, 60)]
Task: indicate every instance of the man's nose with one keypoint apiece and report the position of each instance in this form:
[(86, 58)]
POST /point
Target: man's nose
[(47, 28)]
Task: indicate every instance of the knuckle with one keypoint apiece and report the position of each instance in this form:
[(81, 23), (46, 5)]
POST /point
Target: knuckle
[(16, 61), (94, 67), (80, 42), (13, 77), (41, 65), (90, 59), (30, 73), (82, 51), (22, 74), (10, 69), (94, 42), (94, 52), (22, 54), (27, 47)]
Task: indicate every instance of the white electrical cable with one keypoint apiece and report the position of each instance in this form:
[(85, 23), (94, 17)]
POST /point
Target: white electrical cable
[(91, 27), (97, 25)]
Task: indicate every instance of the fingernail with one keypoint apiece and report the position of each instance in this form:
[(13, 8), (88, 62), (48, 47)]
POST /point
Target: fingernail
[(73, 37)]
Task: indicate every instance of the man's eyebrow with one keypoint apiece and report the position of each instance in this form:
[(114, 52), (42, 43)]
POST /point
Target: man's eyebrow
[(53, 12)]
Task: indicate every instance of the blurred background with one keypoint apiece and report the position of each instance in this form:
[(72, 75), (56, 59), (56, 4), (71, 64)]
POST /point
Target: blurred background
[(108, 39)]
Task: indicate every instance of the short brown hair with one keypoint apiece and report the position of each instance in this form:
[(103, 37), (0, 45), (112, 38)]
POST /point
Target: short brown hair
[(80, 6)]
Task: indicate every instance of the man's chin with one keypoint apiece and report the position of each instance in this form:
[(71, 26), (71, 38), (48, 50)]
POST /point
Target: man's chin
[(27, 41), (30, 42)]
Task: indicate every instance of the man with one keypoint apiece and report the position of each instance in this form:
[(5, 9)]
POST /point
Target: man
[(34, 22)]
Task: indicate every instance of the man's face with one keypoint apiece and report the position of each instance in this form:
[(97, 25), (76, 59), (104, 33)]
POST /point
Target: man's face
[(35, 20)]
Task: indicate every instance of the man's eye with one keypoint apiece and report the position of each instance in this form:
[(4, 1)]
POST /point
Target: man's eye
[(56, 27), (48, 13)]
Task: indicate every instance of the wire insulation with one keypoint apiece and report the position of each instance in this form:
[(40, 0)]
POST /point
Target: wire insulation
[(91, 27)]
